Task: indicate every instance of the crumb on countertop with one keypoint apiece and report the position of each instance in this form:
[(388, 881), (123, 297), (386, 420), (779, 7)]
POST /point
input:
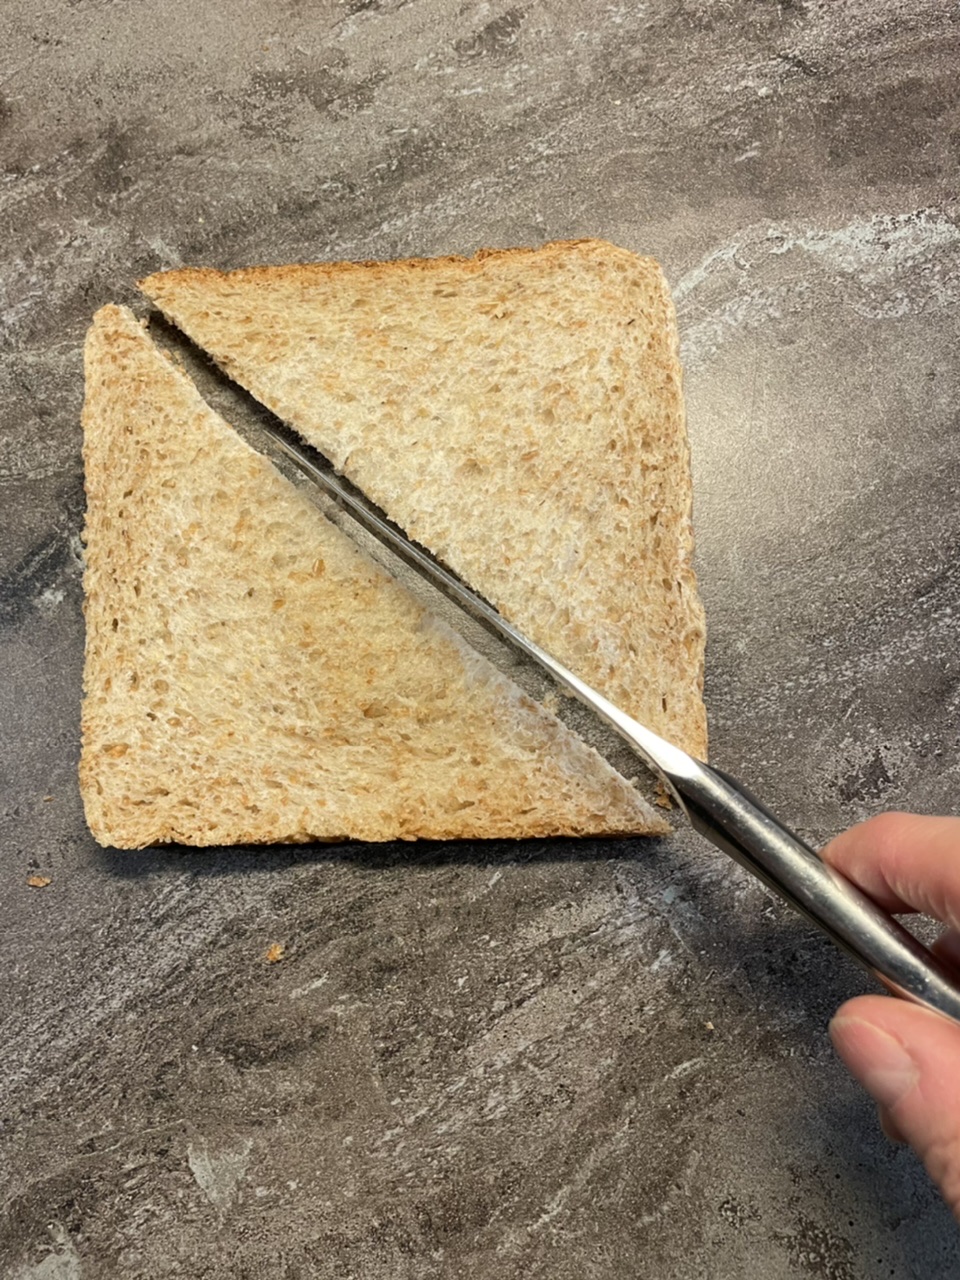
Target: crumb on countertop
[(662, 796)]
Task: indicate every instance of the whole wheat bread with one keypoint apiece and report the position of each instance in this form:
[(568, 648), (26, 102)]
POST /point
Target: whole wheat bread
[(251, 676), (520, 413)]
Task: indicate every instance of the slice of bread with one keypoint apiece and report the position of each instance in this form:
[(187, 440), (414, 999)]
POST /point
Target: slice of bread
[(251, 676), (519, 413)]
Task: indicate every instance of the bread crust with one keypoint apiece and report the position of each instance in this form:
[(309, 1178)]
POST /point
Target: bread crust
[(378, 267)]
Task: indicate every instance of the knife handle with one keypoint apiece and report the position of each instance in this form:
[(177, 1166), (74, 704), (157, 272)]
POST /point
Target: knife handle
[(732, 819)]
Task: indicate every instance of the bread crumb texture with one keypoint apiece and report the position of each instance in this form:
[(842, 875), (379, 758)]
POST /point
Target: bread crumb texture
[(520, 413), (250, 676)]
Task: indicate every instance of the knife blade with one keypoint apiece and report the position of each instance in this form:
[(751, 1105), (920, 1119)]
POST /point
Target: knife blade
[(717, 806)]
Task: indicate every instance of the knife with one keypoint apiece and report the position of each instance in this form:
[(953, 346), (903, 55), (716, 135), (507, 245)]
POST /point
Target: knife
[(716, 804)]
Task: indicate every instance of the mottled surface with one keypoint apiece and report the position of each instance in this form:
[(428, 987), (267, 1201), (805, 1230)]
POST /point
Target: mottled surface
[(560, 1060)]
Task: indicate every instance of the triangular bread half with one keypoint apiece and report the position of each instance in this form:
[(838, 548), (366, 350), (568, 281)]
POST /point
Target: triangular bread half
[(251, 676), (519, 413)]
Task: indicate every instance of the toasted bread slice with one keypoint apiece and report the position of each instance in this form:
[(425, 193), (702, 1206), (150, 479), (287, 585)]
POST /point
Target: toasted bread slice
[(520, 413), (251, 676)]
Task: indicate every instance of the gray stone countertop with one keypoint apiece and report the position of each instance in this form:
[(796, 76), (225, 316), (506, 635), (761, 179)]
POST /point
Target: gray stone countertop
[(558, 1059)]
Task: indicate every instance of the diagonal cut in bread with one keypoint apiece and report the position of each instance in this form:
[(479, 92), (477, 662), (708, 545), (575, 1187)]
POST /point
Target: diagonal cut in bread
[(519, 413), (251, 676)]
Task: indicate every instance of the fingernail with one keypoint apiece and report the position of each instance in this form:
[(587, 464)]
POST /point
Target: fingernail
[(890, 1126), (879, 1062)]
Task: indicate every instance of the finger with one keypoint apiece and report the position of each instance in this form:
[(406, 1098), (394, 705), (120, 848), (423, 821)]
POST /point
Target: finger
[(908, 1058), (904, 862)]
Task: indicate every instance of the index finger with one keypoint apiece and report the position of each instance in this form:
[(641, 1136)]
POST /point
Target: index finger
[(905, 862)]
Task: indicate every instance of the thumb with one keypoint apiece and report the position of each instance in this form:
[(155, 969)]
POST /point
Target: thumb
[(908, 1058)]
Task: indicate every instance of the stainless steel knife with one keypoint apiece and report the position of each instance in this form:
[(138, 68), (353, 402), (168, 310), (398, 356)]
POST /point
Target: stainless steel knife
[(717, 806)]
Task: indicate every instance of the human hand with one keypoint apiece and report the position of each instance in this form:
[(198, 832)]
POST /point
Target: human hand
[(907, 1057)]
